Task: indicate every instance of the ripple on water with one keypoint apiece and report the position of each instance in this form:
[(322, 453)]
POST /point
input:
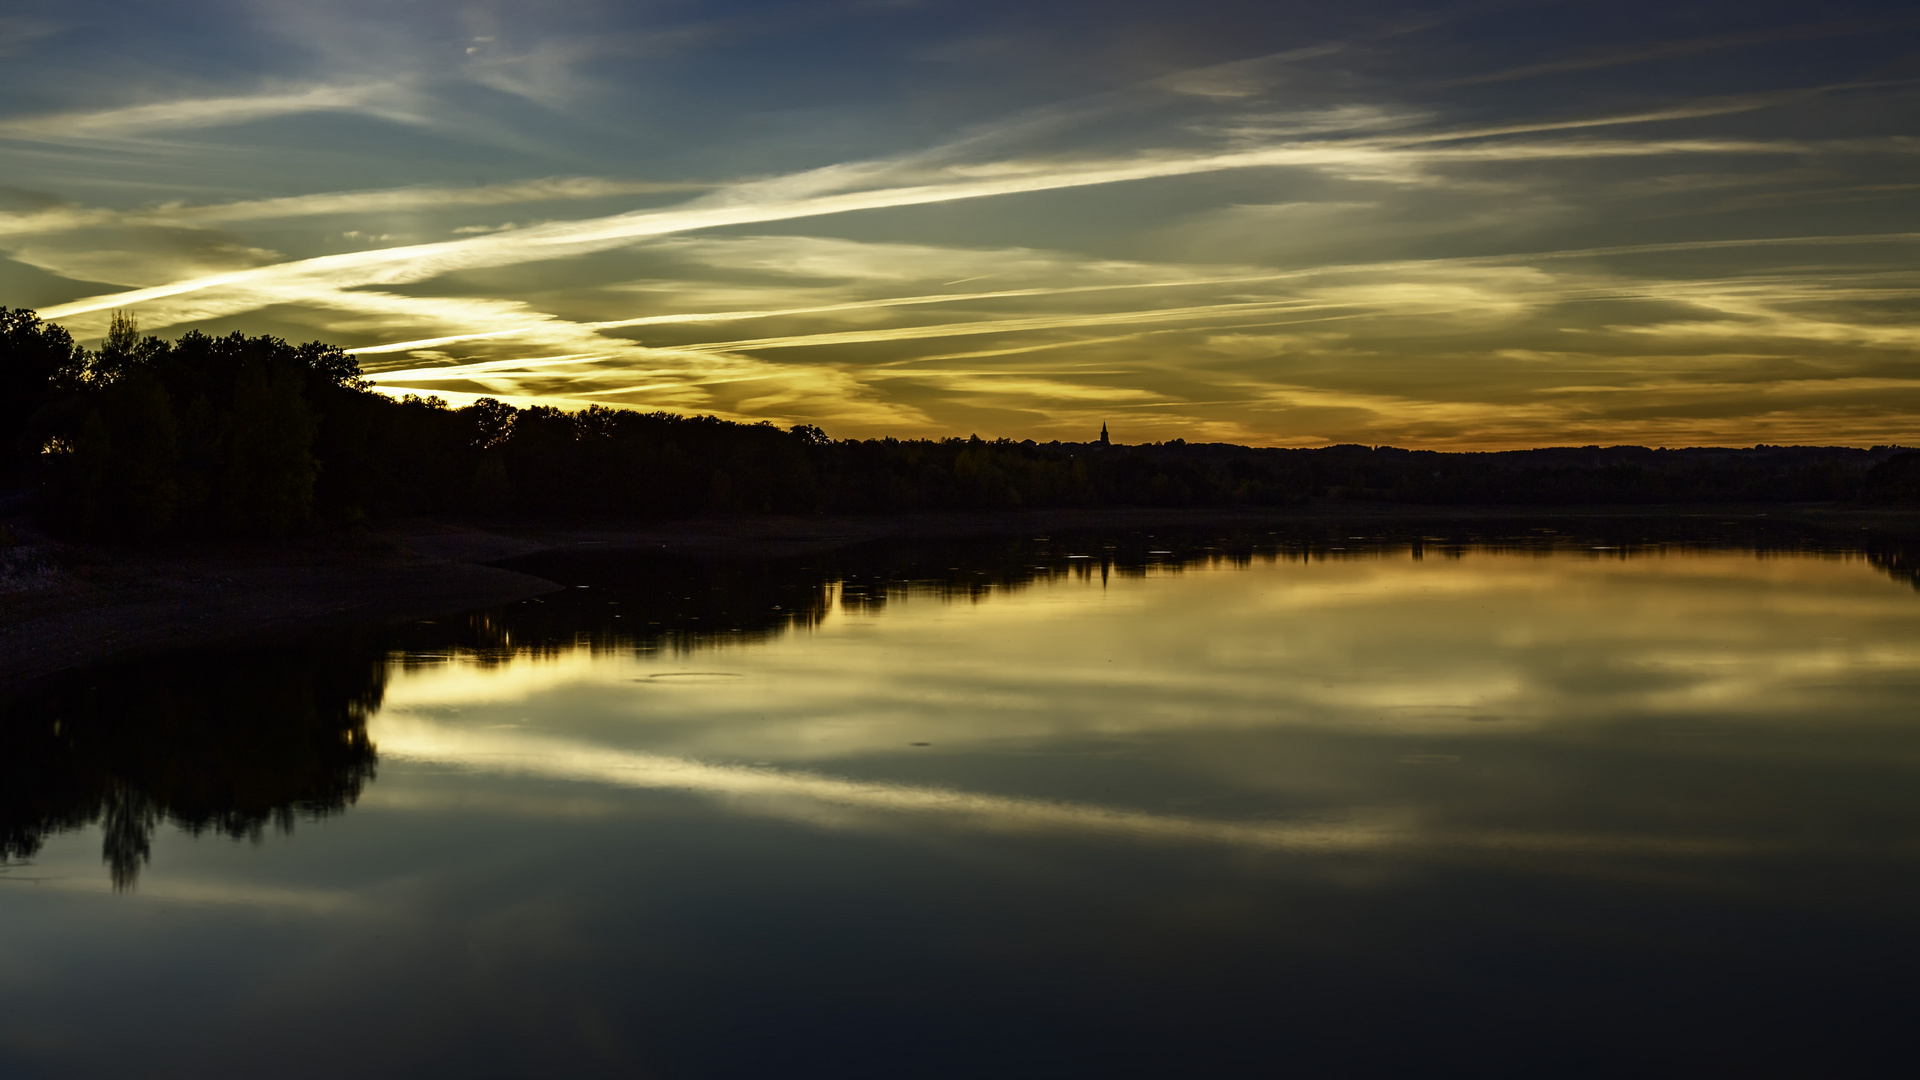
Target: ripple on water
[(682, 677)]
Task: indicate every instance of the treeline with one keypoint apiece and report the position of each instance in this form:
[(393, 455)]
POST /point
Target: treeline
[(145, 437)]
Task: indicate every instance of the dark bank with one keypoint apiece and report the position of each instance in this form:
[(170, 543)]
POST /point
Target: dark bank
[(145, 438)]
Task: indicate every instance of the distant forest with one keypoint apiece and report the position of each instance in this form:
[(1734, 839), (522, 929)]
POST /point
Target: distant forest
[(252, 435)]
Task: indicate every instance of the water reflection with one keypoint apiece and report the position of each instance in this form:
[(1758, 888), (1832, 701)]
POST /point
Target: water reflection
[(1899, 560), (1450, 696), (645, 604), (234, 744), (1517, 801), (227, 745)]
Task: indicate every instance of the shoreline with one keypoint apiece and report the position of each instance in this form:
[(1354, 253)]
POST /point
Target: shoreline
[(108, 602)]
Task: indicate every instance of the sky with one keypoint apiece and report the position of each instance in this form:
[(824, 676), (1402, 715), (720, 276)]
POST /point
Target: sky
[(1481, 224)]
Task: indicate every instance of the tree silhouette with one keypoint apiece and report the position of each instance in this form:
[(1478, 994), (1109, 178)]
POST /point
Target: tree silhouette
[(143, 437), (35, 358)]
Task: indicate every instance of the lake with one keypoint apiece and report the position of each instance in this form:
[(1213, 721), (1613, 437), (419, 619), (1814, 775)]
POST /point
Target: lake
[(1541, 802)]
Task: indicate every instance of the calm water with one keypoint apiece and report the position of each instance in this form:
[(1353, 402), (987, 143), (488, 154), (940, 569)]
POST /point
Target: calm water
[(1174, 805)]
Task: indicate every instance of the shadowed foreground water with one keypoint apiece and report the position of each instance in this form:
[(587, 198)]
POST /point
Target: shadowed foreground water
[(1543, 803)]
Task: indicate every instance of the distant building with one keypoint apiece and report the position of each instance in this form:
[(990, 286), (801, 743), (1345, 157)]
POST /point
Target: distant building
[(1103, 436)]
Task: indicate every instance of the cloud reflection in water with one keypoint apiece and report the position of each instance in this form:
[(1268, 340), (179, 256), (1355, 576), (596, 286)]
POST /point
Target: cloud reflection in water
[(1470, 701)]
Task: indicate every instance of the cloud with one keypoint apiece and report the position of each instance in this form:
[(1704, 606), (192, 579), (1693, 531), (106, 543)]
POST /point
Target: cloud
[(820, 193), (187, 113), (428, 343), (21, 32), (137, 255), (1012, 324), (1390, 302), (51, 216), (1241, 78), (935, 298), (1296, 247)]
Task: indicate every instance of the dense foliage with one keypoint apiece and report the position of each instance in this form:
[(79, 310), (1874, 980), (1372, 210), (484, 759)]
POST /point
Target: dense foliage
[(253, 435)]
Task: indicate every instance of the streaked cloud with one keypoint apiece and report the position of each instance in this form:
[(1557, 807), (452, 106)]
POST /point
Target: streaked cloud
[(190, 113), (821, 193), (20, 32), (1321, 235)]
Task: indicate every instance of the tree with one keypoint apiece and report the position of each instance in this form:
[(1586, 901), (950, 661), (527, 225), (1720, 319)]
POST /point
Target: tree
[(123, 353), (36, 358), (266, 483)]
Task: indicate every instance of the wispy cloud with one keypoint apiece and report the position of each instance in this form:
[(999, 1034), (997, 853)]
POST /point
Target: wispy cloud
[(551, 189), (1296, 247), (66, 217), (816, 194), (189, 113), (18, 32), (435, 342), (1013, 324), (934, 298)]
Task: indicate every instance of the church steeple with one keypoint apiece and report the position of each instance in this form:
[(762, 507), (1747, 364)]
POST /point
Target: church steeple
[(1103, 436)]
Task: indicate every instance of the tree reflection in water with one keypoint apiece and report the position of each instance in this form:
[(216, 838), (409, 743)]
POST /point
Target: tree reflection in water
[(227, 743), (231, 742), (1896, 559), (617, 601)]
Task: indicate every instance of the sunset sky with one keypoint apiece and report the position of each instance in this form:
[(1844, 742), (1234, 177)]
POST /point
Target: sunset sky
[(1443, 224)]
